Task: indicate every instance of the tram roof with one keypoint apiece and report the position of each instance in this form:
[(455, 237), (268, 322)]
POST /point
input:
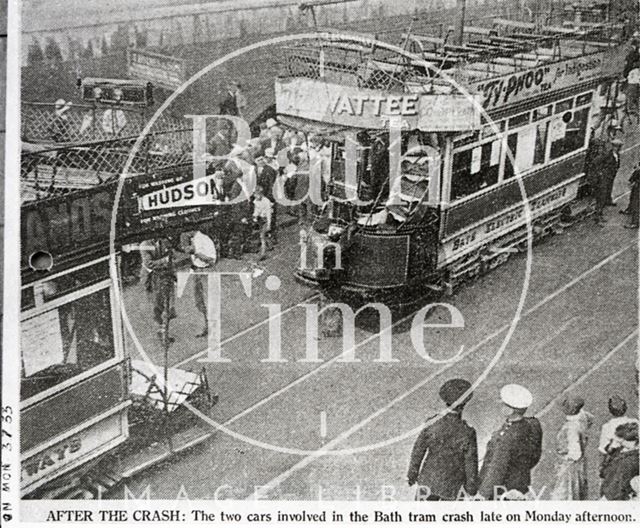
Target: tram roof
[(486, 52)]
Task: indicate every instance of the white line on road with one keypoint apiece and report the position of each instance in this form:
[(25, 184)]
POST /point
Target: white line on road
[(304, 301), (323, 424), (346, 434), (248, 329), (588, 373)]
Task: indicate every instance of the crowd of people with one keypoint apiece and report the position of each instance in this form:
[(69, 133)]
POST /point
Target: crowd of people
[(277, 165), (444, 459)]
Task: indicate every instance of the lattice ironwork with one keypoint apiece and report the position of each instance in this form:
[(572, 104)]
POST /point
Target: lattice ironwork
[(87, 123), (51, 171)]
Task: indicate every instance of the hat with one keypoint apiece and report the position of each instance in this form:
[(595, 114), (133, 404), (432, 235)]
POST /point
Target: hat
[(452, 390), (271, 122), (617, 406), (62, 106), (571, 405), (617, 142), (516, 396)]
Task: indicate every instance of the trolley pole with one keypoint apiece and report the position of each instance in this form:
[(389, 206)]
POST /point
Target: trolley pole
[(166, 344)]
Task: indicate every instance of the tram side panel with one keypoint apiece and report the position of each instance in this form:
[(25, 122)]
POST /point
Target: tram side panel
[(74, 379), (548, 144)]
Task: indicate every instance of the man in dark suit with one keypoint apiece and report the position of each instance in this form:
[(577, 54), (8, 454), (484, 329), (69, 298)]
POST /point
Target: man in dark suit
[(612, 163), (607, 166), (514, 449), (444, 460), (229, 103), (266, 178)]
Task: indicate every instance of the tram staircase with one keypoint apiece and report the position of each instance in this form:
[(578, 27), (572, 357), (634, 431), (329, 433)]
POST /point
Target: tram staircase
[(498, 251)]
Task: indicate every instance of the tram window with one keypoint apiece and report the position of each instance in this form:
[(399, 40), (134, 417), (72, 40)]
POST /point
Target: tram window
[(527, 147), (541, 113), (564, 106), (584, 99), (492, 129), (519, 120), (475, 169), (64, 342), (568, 133), (540, 148), (86, 276), (27, 299)]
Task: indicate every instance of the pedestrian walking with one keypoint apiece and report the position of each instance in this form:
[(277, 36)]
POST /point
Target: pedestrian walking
[(514, 449), (622, 466), (612, 164), (266, 178), (444, 459), (262, 217), (571, 443), (204, 256), (241, 100), (163, 280)]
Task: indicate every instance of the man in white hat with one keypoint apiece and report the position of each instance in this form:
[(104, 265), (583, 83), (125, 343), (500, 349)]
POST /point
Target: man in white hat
[(514, 449)]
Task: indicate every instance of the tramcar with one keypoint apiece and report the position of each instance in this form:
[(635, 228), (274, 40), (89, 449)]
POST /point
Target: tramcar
[(433, 151), (75, 375)]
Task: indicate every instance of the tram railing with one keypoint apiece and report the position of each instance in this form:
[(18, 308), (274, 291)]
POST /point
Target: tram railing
[(83, 123), (46, 172)]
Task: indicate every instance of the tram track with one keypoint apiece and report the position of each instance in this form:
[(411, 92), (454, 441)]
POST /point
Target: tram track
[(330, 445), (320, 367)]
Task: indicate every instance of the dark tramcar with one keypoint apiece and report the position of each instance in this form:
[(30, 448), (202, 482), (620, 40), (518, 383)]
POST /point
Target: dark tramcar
[(438, 145)]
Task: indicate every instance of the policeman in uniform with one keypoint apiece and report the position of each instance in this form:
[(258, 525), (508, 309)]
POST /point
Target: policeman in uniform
[(444, 460), (514, 449)]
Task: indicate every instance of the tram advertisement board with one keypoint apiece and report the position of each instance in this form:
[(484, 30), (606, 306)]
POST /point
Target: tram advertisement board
[(161, 70), (371, 109), (506, 220), (67, 225), (71, 451), (525, 84)]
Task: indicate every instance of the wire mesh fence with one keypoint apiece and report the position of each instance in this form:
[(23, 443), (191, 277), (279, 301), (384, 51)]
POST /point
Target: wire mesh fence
[(78, 123), (47, 172)]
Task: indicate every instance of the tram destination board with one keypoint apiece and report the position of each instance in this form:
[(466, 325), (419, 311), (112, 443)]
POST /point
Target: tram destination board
[(321, 263)]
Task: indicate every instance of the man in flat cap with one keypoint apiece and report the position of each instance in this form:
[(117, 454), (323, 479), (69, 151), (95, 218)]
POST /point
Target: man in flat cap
[(514, 449), (444, 460)]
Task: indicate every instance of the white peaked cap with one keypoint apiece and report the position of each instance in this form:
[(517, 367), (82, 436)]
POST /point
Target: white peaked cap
[(516, 396)]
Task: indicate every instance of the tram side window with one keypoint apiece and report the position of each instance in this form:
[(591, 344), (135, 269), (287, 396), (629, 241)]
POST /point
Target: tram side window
[(568, 132), (475, 169), (66, 341), (527, 148)]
